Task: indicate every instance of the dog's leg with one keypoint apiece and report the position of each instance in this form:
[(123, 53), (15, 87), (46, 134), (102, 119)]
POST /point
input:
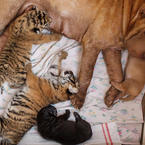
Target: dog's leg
[(129, 87), (118, 86), (90, 54), (112, 59), (121, 87)]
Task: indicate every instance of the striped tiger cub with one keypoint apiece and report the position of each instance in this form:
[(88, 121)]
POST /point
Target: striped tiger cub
[(23, 32), (21, 112)]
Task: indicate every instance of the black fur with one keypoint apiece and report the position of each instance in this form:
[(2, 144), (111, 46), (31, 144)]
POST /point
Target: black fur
[(60, 129)]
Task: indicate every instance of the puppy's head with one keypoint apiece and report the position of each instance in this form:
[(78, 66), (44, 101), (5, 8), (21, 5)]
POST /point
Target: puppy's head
[(48, 114), (46, 118)]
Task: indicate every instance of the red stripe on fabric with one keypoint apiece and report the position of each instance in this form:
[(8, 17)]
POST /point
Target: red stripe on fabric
[(104, 134), (108, 133)]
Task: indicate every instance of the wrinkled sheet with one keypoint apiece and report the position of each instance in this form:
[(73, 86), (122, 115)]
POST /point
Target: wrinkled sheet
[(123, 119)]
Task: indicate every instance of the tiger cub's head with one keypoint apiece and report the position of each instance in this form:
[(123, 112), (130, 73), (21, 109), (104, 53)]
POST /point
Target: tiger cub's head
[(65, 79), (68, 79), (32, 21)]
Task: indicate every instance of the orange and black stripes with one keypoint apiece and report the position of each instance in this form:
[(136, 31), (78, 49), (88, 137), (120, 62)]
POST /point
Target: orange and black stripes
[(22, 110), (17, 49), (20, 114)]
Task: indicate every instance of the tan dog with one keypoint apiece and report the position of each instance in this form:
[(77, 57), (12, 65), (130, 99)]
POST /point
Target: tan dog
[(98, 25), (135, 69)]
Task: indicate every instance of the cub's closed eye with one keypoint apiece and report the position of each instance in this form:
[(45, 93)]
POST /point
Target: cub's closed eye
[(36, 30)]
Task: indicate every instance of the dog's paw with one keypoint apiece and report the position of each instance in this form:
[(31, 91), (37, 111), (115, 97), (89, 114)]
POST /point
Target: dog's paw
[(77, 100), (118, 86), (110, 96)]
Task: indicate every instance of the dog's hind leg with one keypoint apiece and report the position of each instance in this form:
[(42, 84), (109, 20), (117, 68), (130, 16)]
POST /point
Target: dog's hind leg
[(118, 86)]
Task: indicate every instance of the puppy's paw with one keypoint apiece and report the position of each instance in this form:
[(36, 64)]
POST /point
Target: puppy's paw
[(77, 116), (67, 112)]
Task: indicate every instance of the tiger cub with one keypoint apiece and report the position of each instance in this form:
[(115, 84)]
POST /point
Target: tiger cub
[(21, 112), (23, 32)]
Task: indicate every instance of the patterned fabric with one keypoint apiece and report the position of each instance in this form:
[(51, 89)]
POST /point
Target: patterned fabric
[(130, 133), (104, 134), (128, 115)]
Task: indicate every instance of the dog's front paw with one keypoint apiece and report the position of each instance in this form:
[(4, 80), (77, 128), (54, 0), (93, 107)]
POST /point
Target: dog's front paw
[(77, 100), (111, 96)]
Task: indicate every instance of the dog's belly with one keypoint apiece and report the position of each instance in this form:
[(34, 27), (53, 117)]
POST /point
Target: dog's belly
[(102, 19), (136, 69), (75, 18), (106, 30), (71, 18)]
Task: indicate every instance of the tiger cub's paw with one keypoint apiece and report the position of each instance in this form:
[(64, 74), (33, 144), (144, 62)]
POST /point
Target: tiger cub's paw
[(5, 142), (28, 67), (56, 37)]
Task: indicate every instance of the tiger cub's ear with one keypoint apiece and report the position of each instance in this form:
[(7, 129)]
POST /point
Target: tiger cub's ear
[(31, 7), (25, 9)]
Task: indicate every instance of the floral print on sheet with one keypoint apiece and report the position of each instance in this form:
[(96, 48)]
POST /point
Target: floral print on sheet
[(130, 133)]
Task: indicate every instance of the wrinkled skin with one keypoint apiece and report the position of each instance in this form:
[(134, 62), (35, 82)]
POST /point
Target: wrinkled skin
[(98, 25)]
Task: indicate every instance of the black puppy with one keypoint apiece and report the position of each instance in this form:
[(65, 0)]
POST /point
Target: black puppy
[(60, 129)]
